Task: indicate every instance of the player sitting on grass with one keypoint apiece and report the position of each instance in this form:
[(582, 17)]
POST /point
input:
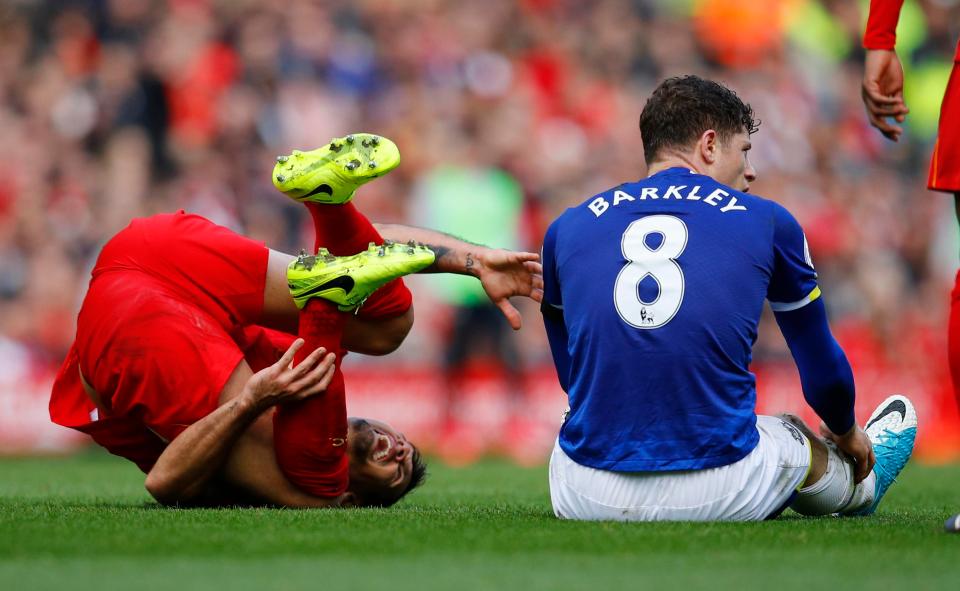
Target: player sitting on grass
[(176, 365), (652, 295)]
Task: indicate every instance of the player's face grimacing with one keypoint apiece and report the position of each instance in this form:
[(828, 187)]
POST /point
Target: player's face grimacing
[(383, 464), (732, 165)]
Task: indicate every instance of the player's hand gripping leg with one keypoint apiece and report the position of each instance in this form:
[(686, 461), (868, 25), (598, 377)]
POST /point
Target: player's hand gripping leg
[(285, 382), (186, 466), (857, 445)]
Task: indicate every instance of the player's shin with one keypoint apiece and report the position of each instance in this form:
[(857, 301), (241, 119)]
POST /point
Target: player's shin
[(835, 491)]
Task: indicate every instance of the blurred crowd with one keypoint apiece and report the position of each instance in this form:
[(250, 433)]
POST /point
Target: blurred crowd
[(113, 109)]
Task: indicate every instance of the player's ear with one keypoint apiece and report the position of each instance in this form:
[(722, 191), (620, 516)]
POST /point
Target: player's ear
[(708, 146), (347, 500)]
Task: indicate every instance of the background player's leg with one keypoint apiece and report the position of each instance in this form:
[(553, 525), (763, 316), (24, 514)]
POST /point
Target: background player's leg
[(953, 336)]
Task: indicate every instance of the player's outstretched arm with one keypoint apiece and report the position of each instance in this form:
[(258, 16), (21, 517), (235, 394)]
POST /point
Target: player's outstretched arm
[(185, 468), (503, 273)]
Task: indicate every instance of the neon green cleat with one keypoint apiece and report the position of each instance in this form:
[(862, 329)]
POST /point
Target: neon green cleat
[(348, 281), (331, 174)]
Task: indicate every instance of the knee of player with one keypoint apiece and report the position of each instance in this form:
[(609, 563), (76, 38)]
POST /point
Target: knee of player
[(389, 335), (160, 488)]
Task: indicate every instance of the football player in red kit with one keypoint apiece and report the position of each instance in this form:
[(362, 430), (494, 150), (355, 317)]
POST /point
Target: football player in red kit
[(883, 97), (183, 347)]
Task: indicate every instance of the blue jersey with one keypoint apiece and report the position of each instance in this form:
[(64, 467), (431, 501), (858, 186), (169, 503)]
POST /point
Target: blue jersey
[(655, 289)]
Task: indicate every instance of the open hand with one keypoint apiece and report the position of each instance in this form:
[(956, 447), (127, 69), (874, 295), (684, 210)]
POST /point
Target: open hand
[(883, 91), (284, 382), (504, 274)]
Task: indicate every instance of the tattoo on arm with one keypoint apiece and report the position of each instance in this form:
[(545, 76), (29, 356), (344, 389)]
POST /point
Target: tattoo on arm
[(468, 266), (440, 252), (448, 261)]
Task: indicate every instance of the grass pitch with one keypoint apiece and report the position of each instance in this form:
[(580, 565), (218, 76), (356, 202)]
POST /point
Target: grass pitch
[(86, 523)]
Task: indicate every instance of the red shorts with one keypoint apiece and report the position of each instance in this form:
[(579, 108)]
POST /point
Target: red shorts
[(163, 326), (945, 164)]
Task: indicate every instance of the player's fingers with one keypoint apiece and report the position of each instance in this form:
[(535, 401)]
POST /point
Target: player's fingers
[(891, 110), (537, 295), (510, 313), (317, 371), (871, 90), (322, 384), (534, 267), (888, 130), (307, 386), (287, 358), (537, 281), (522, 257), (861, 469), (308, 364)]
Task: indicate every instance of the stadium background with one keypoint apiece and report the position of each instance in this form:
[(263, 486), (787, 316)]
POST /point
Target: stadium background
[(506, 113)]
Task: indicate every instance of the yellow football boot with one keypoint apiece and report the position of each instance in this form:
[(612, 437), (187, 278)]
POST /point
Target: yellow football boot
[(349, 280), (331, 174)]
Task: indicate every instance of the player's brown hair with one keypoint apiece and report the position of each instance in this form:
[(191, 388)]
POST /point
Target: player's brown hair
[(682, 108)]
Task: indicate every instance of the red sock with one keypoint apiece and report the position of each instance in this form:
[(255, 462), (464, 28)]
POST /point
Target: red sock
[(310, 436), (953, 337), (343, 230)]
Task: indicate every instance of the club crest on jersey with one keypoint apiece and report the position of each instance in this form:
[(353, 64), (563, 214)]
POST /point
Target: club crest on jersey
[(599, 205)]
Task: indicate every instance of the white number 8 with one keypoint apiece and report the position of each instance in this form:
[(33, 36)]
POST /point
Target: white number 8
[(659, 263)]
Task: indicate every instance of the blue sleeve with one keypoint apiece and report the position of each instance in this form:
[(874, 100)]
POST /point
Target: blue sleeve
[(552, 308), (825, 373), (793, 282)]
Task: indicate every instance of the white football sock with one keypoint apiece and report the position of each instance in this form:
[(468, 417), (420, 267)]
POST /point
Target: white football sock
[(862, 494)]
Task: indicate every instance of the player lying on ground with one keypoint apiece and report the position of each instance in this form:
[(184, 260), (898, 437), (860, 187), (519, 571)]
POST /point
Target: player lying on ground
[(652, 295), (175, 365)]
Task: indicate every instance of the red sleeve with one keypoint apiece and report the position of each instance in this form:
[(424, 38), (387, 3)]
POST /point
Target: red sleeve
[(310, 437), (882, 24)]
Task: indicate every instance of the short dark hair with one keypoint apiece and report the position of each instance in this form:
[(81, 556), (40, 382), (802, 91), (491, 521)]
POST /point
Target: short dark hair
[(682, 108), (376, 497)]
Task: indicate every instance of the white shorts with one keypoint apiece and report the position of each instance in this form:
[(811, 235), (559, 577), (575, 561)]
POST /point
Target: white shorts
[(752, 489)]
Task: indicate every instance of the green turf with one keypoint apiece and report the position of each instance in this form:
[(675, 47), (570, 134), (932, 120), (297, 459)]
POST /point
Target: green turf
[(86, 523)]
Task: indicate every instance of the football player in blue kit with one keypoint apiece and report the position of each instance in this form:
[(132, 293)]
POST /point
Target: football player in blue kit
[(653, 293)]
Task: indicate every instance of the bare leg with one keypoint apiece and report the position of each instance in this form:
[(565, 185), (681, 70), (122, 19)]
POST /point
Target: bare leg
[(953, 334), (279, 311)]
